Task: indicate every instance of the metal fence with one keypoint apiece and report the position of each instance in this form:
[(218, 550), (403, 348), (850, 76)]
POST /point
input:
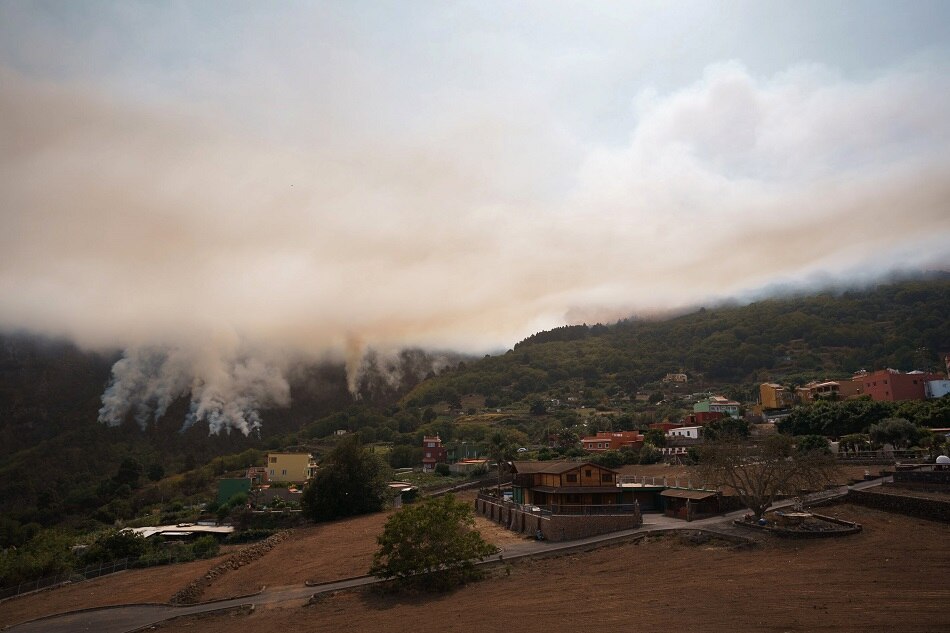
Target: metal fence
[(594, 510), (78, 575)]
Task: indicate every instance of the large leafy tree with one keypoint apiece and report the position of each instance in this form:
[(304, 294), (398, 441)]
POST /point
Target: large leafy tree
[(431, 545), (896, 431), (759, 473), (351, 480)]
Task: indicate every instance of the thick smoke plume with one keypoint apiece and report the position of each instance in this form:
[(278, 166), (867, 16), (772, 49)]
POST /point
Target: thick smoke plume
[(229, 386), (381, 184), (226, 390)]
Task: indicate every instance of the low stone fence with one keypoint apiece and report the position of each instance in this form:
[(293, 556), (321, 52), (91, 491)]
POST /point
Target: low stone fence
[(933, 509), (191, 593), (554, 526)]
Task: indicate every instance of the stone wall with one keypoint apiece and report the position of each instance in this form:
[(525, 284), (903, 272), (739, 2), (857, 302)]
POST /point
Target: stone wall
[(556, 527), (933, 509), (191, 593)]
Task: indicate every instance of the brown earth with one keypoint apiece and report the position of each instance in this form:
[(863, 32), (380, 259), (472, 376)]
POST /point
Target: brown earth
[(891, 577), (890, 571), (319, 553), (155, 584)]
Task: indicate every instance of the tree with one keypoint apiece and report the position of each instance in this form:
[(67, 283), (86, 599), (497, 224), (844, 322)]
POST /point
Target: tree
[(432, 545), (760, 473), (155, 472), (501, 448), (807, 443), (538, 407), (650, 454), (351, 480), (567, 438), (656, 437), (895, 431), (405, 456), (115, 545), (130, 470), (727, 427)]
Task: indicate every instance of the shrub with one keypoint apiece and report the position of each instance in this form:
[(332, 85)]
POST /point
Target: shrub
[(205, 546)]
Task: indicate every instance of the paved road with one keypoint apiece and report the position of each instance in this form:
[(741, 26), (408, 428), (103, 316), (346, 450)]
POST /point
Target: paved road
[(132, 617)]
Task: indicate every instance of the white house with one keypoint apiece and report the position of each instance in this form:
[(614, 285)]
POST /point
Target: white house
[(687, 432)]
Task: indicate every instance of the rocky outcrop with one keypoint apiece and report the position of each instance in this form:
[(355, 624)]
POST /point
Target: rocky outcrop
[(191, 593)]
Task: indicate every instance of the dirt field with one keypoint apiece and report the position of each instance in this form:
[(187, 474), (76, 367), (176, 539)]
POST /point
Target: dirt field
[(891, 577), (155, 584)]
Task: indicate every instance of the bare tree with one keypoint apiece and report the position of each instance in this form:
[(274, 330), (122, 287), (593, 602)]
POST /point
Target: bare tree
[(758, 473)]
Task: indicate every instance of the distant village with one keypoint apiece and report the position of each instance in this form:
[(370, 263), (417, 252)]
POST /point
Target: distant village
[(539, 492)]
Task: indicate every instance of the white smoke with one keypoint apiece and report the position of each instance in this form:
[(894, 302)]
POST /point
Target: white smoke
[(227, 387)]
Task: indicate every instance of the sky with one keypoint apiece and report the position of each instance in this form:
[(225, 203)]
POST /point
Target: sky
[(225, 188)]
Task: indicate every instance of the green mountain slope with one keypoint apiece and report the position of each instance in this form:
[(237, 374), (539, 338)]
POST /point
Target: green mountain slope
[(904, 325)]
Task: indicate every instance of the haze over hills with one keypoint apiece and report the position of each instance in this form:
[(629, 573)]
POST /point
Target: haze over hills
[(55, 452)]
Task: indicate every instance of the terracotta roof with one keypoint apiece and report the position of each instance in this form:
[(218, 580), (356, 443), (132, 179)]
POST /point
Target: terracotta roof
[(688, 494)]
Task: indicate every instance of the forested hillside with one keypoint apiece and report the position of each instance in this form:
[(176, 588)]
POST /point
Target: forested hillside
[(57, 461), (902, 325)]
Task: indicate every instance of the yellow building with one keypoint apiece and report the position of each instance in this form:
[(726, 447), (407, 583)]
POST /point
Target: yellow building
[(774, 396), (297, 467)]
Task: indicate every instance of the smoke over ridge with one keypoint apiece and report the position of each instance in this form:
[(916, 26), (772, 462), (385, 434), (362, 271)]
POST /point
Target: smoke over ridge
[(316, 197)]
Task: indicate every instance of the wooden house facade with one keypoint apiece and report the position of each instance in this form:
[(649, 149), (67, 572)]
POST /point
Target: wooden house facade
[(564, 485)]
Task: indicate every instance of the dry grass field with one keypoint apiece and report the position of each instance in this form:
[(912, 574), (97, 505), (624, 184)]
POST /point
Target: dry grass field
[(890, 577)]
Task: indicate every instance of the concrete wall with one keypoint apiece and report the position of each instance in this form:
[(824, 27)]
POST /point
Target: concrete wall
[(911, 506), (554, 527), (928, 477)]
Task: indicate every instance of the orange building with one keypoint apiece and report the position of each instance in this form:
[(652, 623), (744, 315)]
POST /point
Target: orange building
[(889, 385), (611, 441)]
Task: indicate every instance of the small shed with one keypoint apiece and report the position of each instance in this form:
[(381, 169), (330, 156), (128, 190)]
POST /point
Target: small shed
[(229, 487), (689, 504)]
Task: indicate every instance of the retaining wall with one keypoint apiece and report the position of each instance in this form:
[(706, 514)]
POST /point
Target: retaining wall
[(932, 509)]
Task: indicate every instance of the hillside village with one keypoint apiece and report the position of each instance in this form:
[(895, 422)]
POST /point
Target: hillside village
[(547, 458)]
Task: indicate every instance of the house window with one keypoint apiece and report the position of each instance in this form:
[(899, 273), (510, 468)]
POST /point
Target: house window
[(283, 472), (273, 460), (271, 472), (588, 472), (606, 478), (572, 478)]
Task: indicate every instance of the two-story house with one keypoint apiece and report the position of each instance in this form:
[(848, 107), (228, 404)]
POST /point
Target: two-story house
[(432, 453), (566, 484), (295, 467)]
